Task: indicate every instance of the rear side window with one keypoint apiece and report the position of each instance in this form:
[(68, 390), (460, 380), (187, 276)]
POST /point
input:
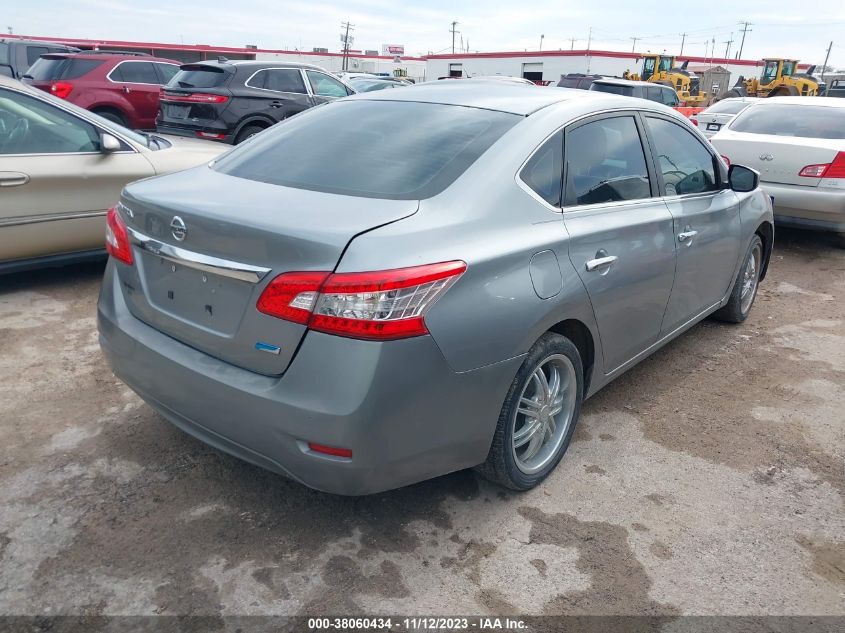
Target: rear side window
[(33, 53), (652, 93), (4, 53), (670, 97), (686, 165), (166, 72), (605, 162), (198, 77), (278, 80), (806, 121), (543, 172), (62, 68), (134, 73), (625, 91), (351, 148)]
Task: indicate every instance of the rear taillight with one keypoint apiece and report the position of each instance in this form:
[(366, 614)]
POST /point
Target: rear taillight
[(61, 89), (381, 305), (212, 135), (330, 450), (193, 97), (836, 169), (694, 121), (117, 239), (726, 159)]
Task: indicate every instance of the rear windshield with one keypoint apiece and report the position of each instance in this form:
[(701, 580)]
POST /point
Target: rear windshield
[(625, 91), (49, 69), (353, 148), (805, 121), (198, 77), (569, 82), (4, 53), (727, 107)]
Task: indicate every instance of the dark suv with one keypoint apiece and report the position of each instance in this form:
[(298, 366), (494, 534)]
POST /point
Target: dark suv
[(16, 56), (121, 87), (642, 89), (579, 81), (230, 101)]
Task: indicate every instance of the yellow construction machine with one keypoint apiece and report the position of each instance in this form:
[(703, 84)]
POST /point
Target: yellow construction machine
[(660, 69), (779, 78)]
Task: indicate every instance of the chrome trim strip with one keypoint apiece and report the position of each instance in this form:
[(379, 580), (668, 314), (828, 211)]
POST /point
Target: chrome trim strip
[(53, 217), (206, 263)]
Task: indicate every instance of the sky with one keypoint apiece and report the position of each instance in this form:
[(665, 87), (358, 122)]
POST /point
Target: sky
[(779, 28)]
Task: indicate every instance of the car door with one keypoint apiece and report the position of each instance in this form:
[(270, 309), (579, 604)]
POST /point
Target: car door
[(278, 93), (621, 234), (325, 88), (55, 183), (139, 84), (705, 215)]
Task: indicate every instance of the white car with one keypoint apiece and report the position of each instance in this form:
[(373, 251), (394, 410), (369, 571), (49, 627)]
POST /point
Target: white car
[(798, 146), (719, 114)]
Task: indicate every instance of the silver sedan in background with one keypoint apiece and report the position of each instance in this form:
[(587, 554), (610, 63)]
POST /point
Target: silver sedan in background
[(446, 300), (718, 115), (798, 146)]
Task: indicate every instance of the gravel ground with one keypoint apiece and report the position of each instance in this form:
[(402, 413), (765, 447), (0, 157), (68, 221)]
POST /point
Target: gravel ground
[(707, 480)]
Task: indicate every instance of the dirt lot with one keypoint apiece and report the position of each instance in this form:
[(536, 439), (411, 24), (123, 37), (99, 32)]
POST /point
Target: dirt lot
[(708, 480)]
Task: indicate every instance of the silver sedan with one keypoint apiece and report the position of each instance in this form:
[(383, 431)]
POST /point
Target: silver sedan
[(388, 308), (798, 146)]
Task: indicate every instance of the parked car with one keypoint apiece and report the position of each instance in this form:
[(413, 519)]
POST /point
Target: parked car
[(61, 167), (712, 119), (445, 300), (798, 145), (370, 84), (640, 89), (121, 87), (17, 55), (231, 101), (836, 88), (579, 81)]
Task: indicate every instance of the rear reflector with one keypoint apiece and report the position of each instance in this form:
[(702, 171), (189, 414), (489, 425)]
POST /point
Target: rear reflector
[(836, 169), (117, 239), (213, 135), (330, 450), (61, 89), (381, 305), (694, 121), (194, 97)]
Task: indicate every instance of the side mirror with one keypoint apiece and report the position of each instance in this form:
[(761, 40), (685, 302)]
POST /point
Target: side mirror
[(109, 143), (743, 179)]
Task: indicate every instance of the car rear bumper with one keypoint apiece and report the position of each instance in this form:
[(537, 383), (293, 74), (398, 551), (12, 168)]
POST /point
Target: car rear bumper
[(817, 208), (195, 132), (398, 406)]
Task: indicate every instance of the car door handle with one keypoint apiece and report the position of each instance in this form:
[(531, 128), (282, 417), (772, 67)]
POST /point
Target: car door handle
[(687, 235), (601, 262), (13, 179), (276, 104)]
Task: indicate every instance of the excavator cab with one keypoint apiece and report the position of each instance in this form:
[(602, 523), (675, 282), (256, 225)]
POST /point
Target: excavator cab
[(667, 63), (649, 67)]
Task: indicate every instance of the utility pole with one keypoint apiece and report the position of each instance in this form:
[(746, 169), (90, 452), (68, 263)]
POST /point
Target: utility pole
[(745, 30), (590, 38), (728, 47), (826, 58), (541, 40), (572, 43), (347, 26), (634, 47), (453, 31), (683, 39)]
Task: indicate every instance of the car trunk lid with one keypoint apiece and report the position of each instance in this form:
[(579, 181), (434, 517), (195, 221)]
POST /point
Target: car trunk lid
[(779, 159), (236, 236)]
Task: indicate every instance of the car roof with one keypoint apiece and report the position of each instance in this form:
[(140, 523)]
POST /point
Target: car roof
[(253, 63), (491, 95), (627, 82), (108, 55), (833, 102)]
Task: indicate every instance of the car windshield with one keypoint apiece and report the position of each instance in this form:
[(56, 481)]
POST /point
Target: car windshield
[(625, 91), (352, 148), (198, 77), (805, 121), (728, 106)]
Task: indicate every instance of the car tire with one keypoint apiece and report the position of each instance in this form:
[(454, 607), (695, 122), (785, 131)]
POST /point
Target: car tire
[(745, 287), (510, 461), (114, 117), (247, 131), (839, 240)]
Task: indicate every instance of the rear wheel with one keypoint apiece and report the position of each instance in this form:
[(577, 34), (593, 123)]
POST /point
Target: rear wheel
[(745, 287), (247, 132), (538, 416), (113, 116)]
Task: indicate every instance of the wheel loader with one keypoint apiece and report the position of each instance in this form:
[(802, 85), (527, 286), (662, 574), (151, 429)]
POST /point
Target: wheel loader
[(779, 78), (661, 69)]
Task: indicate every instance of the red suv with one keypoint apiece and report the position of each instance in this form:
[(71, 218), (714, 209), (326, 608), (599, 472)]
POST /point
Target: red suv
[(122, 87)]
